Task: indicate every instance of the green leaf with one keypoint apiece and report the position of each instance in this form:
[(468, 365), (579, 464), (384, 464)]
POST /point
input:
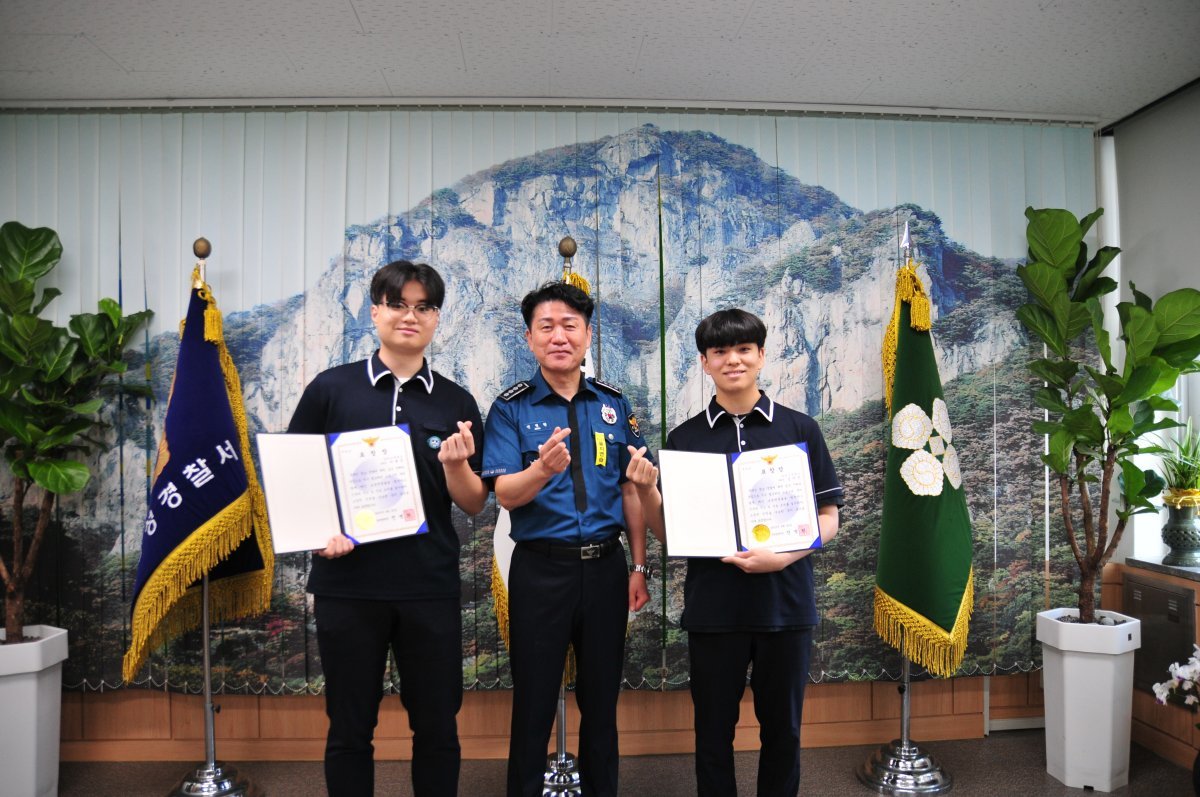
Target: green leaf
[(1087, 221), (1091, 284), (1120, 422), (60, 475), (1044, 326), (113, 310), (1050, 399), (16, 297), (92, 332), (1056, 373), (1161, 403), (56, 356), (1139, 331), (28, 254), (1061, 443), (12, 421), (1054, 237), (1099, 331), (1177, 316), (1084, 425), (1045, 427), (1110, 386), (1139, 298), (1181, 354), (1078, 320), (1043, 281), (1148, 378), (48, 295), (88, 407)]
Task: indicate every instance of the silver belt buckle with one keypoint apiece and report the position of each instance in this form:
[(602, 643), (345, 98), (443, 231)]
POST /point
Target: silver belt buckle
[(589, 552)]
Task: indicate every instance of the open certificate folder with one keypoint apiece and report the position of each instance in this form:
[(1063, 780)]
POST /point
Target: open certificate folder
[(719, 504), (362, 484)]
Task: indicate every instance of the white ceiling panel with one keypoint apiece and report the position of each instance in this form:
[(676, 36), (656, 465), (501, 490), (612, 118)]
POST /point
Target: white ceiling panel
[(1090, 60)]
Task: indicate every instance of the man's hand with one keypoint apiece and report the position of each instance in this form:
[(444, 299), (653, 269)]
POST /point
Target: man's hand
[(554, 454), (641, 471), (764, 560), (639, 596), (338, 545), (458, 447)]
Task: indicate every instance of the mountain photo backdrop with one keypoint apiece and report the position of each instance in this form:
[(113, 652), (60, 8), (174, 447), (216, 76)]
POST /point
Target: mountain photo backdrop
[(761, 213)]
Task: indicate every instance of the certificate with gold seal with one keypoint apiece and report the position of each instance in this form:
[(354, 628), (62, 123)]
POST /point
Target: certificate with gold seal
[(362, 484), (718, 504)]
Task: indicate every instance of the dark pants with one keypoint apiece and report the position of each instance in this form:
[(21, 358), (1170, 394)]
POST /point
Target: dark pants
[(426, 638), (718, 675), (553, 603)]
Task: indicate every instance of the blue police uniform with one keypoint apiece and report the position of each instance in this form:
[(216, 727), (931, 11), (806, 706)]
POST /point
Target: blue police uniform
[(734, 618), (568, 582), (403, 594)]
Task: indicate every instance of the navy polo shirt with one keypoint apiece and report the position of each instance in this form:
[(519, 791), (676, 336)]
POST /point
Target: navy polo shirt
[(719, 596), (364, 395), (583, 503)]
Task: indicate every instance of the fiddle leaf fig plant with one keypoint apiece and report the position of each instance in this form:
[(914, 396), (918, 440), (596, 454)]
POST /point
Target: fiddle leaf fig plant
[(53, 382), (1100, 398)]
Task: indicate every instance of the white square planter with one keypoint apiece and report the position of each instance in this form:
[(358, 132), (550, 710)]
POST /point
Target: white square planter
[(1088, 683), (31, 694)]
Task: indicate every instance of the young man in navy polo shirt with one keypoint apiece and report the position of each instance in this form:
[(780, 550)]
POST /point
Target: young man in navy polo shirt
[(558, 446), (401, 594), (757, 607)]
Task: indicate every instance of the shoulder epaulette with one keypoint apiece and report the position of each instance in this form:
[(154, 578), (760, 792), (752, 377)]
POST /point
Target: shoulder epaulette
[(512, 392), (606, 386)]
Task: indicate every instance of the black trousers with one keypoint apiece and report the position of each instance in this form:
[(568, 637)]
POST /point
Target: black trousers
[(718, 680), (553, 603), (353, 637)]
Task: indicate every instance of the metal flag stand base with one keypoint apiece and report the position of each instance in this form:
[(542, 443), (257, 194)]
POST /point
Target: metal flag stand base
[(212, 778), (901, 767), (562, 773)]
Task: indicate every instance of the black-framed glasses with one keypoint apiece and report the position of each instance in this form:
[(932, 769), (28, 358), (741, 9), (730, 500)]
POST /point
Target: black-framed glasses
[(422, 310)]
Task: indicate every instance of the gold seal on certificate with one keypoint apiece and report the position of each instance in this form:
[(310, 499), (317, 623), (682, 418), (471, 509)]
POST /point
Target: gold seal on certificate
[(761, 533), (364, 520)]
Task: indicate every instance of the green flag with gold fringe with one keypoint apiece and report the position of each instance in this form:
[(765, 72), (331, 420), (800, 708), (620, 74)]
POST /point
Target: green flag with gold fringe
[(924, 584)]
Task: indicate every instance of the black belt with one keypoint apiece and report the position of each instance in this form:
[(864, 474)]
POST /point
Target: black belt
[(559, 551)]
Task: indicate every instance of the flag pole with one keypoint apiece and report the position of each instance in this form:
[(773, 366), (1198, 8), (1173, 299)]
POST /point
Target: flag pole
[(562, 772), (211, 779), (901, 767)]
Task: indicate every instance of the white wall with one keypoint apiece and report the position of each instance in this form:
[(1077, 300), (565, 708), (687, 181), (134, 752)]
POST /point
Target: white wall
[(1158, 177)]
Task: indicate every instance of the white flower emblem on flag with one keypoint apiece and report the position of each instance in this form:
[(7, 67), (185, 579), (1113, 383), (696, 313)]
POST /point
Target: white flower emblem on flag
[(933, 455)]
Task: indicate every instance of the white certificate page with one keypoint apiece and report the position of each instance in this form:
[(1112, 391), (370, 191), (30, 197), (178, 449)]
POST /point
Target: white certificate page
[(775, 504), (376, 476), (299, 489), (697, 507)]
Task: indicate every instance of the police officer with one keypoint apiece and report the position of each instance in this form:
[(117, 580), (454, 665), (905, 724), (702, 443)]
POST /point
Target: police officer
[(558, 447)]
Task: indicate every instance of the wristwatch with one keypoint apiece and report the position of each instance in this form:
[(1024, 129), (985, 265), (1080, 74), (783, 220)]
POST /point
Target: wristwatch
[(643, 569)]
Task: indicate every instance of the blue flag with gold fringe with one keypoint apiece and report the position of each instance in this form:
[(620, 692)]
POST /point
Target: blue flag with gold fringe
[(206, 512)]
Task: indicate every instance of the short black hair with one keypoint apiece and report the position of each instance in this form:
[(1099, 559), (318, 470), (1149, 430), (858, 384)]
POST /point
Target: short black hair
[(389, 281), (556, 291), (730, 327)]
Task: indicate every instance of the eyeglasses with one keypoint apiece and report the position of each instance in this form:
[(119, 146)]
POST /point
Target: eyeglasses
[(422, 310)]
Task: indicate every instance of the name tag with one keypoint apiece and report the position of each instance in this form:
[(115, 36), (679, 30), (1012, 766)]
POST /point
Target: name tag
[(601, 450)]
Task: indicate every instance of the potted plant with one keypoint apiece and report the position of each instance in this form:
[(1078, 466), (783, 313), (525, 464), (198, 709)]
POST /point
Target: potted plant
[(53, 381), (1100, 401), (1180, 461)]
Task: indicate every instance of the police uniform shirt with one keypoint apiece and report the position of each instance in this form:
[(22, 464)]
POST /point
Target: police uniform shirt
[(719, 596), (365, 395), (582, 504)]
